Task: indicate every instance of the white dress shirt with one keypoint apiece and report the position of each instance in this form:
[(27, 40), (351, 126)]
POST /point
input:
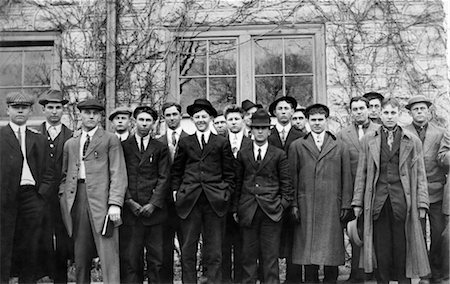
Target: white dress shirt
[(138, 140), (263, 150), (199, 136), (318, 139), (26, 177), (122, 136), (280, 129), (53, 130), (177, 135), (235, 141), (84, 134)]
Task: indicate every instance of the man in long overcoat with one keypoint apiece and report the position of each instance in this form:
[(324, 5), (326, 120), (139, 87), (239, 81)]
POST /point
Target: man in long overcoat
[(391, 189), (320, 166)]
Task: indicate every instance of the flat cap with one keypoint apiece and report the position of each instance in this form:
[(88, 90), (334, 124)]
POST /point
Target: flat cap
[(90, 104), (146, 109), (120, 110), (19, 98), (52, 96), (418, 99), (373, 95), (317, 106)]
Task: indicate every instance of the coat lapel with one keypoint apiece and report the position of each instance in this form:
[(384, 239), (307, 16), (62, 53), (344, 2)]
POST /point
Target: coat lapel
[(329, 144), (12, 139), (96, 139), (430, 137), (405, 148), (311, 146), (209, 145), (251, 157), (374, 148), (353, 135), (268, 157), (148, 154)]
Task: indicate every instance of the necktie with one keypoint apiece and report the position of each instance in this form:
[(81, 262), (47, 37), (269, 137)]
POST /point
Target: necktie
[(258, 157), (249, 134), (234, 147), (174, 138), (319, 143), (142, 145), (360, 132), (86, 145), (203, 141), (19, 137), (283, 136), (390, 139), (52, 132)]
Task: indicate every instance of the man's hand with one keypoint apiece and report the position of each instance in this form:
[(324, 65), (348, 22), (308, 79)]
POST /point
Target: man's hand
[(174, 193), (114, 213), (357, 210), (235, 217), (147, 209), (295, 214), (134, 206), (346, 215), (422, 213)]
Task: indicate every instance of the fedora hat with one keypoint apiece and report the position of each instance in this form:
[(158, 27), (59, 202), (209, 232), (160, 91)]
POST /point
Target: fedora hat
[(418, 99), (248, 104), (260, 119), (316, 106), (201, 104), (90, 104), (290, 100), (355, 230), (120, 110), (53, 96)]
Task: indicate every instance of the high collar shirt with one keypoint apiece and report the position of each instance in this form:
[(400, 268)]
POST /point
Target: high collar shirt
[(199, 136), (263, 150)]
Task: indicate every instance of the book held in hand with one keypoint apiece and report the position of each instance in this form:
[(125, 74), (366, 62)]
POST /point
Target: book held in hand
[(108, 227)]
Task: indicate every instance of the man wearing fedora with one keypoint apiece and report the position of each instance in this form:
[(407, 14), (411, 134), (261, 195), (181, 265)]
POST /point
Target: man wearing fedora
[(53, 231), (431, 136), (249, 108), (25, 186), (320, 169), (351, 137), (92, 192), (120, 118), (145, 209), (263, 192), (375, 100), (391, 191), (203, 178)]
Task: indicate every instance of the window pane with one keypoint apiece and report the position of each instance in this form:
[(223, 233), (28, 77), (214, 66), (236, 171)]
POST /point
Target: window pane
[(222, 57), (222, 92), (268, 89), (299, 55), (11, 68), (35, 92), (37, 68), (268, 56), (193, 58), (300, 88), (191, 89)]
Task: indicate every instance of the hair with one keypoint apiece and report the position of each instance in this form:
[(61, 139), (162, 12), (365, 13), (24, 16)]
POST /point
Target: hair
[(390, 101), (302, 110), (359, 99), (317, 110), (234, 109), (149, 110), (171, 104)]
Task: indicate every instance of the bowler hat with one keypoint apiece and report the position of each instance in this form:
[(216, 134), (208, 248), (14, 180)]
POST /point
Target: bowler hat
[(90, 104), (247, 104), (373, 95), (287, 99), (201, 104), (317, 106), (260, 119), (53, 96), (355, 230), (119, 110), (19, 98), (418, 99), (146, 109)]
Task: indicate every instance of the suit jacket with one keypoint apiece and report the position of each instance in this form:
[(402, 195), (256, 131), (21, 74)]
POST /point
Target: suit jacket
[(266, 185), (275, 140), (209, 170), (148, 177), (349, 135), (11, 171), (106, 176), (435, 173), (164, 140)]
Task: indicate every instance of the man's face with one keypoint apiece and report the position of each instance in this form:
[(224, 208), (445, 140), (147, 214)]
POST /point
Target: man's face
[(317, 122), (172, 117), (121, 122), (283, 111), (298, 120), (260, 134), (201, 119), (248, 116), (234, 122), (53, 112), (220, 124), (374, 108), (420, 113), (19, 114), (90, 118), (144, 123), (359, 112), (389, 116)]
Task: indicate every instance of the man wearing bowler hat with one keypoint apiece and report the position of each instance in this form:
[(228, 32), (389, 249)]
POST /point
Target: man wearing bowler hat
[(375, 100), (121, 119), (26, 184), (53, 231), (431, 136), (203, 178), (92, 192), (263, 192)]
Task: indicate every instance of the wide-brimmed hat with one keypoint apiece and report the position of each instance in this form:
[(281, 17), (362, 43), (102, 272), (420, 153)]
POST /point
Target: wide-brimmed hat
[(260, 119), (19, 98), (317, 106), (418, 99), (146, 109), (248, 104), (53, 96), (355, 231), (91, 104), (201, 104), (119, 110), (373, 95), (287, 99)]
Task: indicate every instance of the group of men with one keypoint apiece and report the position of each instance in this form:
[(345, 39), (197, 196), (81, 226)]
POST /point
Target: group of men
[(252, 191)]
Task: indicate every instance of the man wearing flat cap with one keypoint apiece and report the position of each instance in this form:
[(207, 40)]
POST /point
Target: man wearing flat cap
[(431, 136), (53, 231), (203, 178), (26, 185), (375, 100), (320, 170), (92, 192), (121, 119), (145, 210), (263, 193)]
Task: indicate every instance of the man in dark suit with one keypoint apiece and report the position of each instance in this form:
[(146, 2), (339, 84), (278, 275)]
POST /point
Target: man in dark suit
[(145, 210), (263, 192), (26, 184), (53, 231), (203, 178), (172, 117)]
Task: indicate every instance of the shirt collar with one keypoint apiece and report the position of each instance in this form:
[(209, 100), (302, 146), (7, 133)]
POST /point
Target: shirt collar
[(90, 132), (57, 127), (420, 128), (364, 125), (280, 127), (207, 134), (16, 127), (263, 147), (176, 130), (239, 135), (138, 137), (317, 136)]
